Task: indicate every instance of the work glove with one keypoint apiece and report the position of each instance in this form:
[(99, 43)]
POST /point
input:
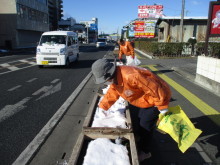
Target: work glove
[(163, 111), (132, 57), (161, 115), (102, 113)]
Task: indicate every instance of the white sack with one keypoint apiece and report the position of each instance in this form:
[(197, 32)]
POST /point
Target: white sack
[(133, 62), (102, 151)]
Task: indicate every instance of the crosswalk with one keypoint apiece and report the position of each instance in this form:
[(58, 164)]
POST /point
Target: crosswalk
[(17, 65)]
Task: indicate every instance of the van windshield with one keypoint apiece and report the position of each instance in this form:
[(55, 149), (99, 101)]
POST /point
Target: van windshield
[(101, 40), (53, 39)]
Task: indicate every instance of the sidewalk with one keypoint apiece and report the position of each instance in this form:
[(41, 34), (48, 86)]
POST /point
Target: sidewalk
[(20, 51), (184, 66), (165, 150)]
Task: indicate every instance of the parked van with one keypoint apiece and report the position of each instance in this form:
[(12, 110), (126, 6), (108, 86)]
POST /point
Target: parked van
[(57, 48)]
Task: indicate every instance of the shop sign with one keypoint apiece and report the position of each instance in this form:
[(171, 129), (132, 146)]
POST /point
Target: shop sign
[(150, 11)]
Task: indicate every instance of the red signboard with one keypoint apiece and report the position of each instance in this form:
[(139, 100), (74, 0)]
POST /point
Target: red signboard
[(150, 11), (144, 29), (215, 20), (139, 26)]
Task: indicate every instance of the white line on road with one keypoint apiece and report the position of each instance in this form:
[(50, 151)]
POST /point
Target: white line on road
[(31, 80), (43, 89), (54, 81), (10, 110), (18, 69), (32, 148), (26, 61), (10, 67), (14, 88), (55, 89)]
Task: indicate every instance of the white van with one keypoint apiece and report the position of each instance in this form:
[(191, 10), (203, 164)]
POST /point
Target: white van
[(57, 48)]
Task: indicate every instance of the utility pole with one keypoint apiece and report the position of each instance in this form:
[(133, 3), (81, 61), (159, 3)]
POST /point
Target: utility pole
[(87, 34), (181, 22)]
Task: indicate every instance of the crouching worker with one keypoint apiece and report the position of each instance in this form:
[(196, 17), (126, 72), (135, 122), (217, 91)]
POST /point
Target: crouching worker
[(141, 88), (126, 49)]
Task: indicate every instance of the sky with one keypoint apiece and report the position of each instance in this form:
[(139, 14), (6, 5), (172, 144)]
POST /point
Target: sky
[(114, 14)]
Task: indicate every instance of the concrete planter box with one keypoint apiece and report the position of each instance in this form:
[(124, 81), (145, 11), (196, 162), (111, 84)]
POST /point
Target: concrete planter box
[(79, 150), (208, 73), (105, 130)]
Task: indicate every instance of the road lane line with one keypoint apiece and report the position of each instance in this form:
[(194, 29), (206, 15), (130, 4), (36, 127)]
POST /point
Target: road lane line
[(31, 80), (10, 110), (32, 148), (14, 88), (197, 102)]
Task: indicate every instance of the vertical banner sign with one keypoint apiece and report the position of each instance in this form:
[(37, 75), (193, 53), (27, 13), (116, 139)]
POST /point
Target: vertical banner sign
[(150, 28), (152, 11), (139, 28), (213, 25), (215, 19), (93, 27)]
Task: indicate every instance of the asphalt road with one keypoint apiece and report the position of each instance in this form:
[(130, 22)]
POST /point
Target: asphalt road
[(30, 96)]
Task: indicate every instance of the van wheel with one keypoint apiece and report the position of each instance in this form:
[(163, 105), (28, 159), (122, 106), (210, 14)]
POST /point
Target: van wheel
[(77, 58), (67, 62), (40, 66)]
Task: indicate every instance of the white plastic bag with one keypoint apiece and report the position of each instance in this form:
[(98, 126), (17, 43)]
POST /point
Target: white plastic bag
[(136, 61), (132, 62)]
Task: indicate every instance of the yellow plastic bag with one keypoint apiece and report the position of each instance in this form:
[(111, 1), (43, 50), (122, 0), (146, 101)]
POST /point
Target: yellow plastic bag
[(179, 127)]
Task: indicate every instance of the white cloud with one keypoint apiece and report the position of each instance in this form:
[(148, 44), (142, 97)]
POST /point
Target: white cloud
[(66, 15)]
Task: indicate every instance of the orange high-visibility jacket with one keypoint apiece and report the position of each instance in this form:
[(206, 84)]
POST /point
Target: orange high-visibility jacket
[(139, 87), (126, 49)]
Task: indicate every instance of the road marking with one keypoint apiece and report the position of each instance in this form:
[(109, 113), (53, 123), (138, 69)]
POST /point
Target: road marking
[(43, 89), (54, 81), (10, 110), (32, 148), (10, 67), (31, 80), (197, 102), (26, 61), (14, 68), (13, 88), (50, 91)]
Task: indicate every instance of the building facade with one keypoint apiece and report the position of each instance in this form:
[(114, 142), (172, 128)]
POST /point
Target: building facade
[(23, 22), (55, 13), (169, 29), (91, 28)]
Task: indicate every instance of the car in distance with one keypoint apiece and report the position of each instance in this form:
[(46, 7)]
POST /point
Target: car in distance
[(101, 43)]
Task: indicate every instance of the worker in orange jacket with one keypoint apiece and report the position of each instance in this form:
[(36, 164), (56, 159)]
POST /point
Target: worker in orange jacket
[(141, 88), (126, 48)]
